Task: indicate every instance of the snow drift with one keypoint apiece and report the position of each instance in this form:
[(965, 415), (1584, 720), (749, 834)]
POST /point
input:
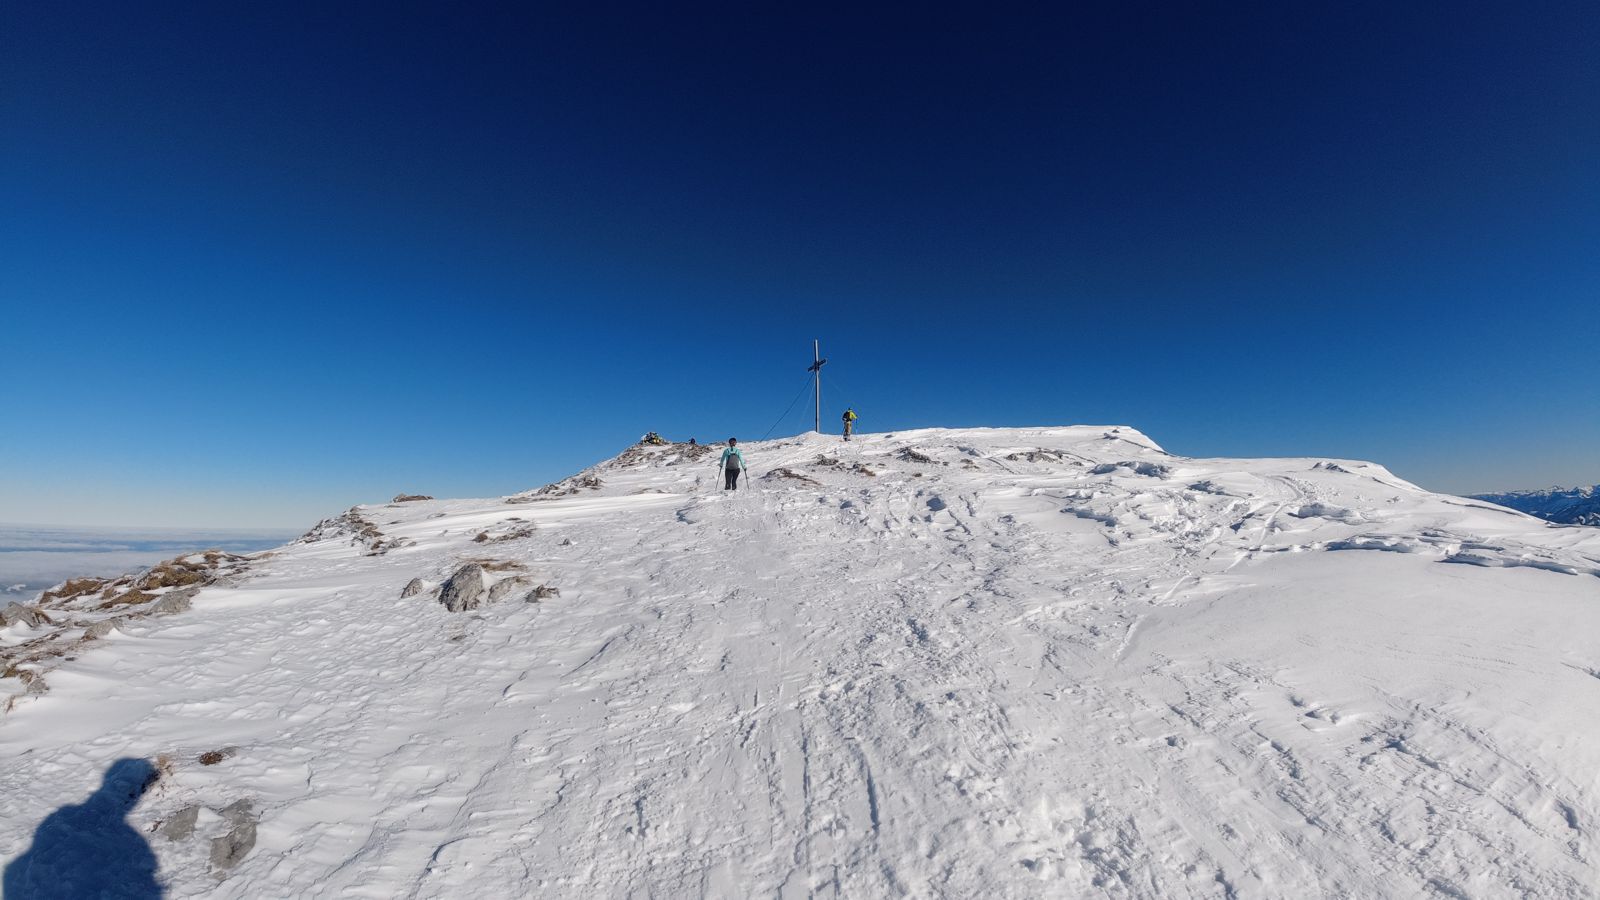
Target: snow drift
[(1006, 663)]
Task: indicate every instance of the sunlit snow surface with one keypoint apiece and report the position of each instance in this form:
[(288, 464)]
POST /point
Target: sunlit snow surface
[(1096, 670)]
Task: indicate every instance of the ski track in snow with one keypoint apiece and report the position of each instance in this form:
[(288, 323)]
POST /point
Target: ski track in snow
[(1105, 671)]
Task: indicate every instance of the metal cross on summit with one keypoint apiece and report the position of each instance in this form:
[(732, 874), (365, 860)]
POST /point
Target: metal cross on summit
[(816, 370)]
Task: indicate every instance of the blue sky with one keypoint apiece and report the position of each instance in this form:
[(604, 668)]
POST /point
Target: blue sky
[(259, 264)]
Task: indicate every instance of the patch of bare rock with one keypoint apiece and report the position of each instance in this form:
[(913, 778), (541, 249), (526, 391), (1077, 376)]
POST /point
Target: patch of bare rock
[(477, 583)]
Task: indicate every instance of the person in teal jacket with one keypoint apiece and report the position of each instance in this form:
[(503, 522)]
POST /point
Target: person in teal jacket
[(732, 465)]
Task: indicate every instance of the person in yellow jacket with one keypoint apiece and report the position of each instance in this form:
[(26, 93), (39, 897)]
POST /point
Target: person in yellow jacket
[(849, 422)]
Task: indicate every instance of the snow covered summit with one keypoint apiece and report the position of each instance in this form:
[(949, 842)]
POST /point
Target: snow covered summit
[(949, 662)]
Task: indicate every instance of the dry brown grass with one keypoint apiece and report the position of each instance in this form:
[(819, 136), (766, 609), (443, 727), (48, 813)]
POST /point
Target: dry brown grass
[(790, 474), (128, 599), (499, 565), (212, 757), (75, 587), (171, 574)]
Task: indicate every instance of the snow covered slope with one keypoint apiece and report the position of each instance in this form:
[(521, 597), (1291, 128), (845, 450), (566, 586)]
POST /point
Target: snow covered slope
[(1564, 506), (945, 663)]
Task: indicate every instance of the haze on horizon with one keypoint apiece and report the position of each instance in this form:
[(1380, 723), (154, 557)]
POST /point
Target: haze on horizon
[(261, 264)]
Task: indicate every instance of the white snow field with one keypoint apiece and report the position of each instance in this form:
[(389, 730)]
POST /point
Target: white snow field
[(1030, 662)]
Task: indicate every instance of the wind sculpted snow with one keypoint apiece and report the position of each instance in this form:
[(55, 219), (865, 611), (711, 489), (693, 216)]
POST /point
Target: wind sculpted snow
[(947, 663)]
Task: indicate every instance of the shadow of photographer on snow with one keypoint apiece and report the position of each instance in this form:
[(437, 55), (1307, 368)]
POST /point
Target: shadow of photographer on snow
[(90, 850)]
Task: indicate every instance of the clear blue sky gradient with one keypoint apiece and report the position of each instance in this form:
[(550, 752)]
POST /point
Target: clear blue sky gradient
[(259, 264)]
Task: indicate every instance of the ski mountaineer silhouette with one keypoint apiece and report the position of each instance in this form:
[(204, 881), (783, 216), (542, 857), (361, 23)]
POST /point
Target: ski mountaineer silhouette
[(732, 465), (849, 418)]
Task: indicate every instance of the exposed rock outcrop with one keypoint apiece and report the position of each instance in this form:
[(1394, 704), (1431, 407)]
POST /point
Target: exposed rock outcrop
[(16, 613), (102, 628), (181, 825), (464, 590), (514, 532), (1137, 467), (181, 600), (360, 531), (228, 850), (1034, 456), (566, 487), (505, 586)]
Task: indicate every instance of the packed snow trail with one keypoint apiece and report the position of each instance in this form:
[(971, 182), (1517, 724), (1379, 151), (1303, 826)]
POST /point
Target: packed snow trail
[(944, 663)]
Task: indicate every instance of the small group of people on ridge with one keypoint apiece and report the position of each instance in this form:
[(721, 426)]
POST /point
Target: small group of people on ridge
[(732, 462)]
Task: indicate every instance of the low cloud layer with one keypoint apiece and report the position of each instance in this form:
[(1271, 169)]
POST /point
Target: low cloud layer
[(33, 557)]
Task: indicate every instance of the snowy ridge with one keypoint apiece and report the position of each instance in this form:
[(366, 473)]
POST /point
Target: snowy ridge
[(939, 663)]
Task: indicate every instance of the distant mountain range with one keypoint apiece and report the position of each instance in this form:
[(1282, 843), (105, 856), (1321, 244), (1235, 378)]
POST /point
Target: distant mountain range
[(1564, 506)]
